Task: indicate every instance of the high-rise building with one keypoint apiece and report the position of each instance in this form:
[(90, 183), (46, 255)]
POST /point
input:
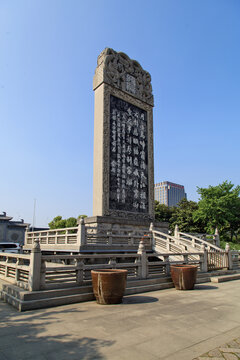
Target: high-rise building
[(169, 193)]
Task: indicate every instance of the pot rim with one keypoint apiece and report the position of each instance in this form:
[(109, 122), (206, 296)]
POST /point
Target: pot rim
[(109, 271), (184, 266)]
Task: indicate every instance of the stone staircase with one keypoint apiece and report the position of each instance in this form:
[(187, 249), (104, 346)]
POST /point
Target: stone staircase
[(25, 300)]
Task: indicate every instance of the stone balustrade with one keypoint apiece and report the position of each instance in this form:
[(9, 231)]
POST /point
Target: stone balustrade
[(15, 268), (58, 271), (85, 237), (37, 271)]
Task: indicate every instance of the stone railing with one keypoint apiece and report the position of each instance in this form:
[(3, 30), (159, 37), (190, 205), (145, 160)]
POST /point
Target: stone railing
[(15, 268), (37, 271), (162, 242), (194, 241), (213, 239), (67, 238), (59, 271), (84, 237)]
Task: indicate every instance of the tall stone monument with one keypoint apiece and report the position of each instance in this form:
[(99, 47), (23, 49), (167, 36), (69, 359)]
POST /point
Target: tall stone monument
[(123, 180), (123, 138)]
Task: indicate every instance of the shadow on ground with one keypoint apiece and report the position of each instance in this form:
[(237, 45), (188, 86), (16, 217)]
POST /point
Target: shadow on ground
[(33, 338), (138, 300), (205, 287)]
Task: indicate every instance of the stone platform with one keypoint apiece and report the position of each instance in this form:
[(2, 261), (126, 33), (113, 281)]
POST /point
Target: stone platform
[(166, 324)]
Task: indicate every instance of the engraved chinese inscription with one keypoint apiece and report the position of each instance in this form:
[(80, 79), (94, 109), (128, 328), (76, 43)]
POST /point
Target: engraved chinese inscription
[(128, 157), (130, 84)]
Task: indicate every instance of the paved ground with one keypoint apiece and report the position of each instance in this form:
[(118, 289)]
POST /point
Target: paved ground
[(228, 351), (166, 324)]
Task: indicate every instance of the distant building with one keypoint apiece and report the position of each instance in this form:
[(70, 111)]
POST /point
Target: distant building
[(12, 231), (169, 193)]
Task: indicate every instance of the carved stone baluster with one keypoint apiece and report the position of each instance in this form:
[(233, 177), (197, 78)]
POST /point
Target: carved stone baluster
[(109, 235), (144, 259), (17, 270), (113, 263), (43, 275), (79, 263), (185, 258), (167, 265), (6, 267), (35, 267)]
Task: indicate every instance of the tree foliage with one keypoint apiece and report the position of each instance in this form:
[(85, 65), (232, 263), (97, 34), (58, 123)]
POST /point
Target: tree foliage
[(183, 217), (59, 223), (219, 206), (163, 212)]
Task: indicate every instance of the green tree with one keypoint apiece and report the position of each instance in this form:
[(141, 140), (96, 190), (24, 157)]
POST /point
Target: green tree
[(57, 223), (163, 212), (82, 216), (234, 224), (219, 207), (71, 222), (183, 217)]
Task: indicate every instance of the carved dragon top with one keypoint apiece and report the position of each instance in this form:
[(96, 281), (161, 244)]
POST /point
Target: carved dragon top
[(118, 70)]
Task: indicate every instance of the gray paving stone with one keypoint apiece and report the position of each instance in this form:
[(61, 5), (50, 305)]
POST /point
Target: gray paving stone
[(215, 352), (229, 356), (177, 326)]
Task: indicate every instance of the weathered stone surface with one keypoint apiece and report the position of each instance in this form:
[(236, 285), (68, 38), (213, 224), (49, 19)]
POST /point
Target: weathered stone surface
[(123, 181), (215, 353), (229, 356), (118, 70)]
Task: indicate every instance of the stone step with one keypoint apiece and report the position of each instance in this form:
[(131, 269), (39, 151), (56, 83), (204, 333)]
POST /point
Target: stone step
[(44, 294), (203, 280), (152, 281), (219, 279), (23, 305), (147, 288), (26, 300)]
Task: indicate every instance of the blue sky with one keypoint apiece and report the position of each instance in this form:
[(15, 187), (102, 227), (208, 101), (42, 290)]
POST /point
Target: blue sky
[(48, 56)]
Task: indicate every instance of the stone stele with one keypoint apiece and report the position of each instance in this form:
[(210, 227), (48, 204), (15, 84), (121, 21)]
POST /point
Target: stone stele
[(123, 180)]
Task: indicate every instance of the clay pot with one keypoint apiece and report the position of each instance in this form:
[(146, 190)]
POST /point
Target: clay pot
[(184, 276), (109, 285)]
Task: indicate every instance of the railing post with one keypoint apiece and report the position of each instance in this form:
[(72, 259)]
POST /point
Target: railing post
[(185, 258), (216, 238), (6, 268), (193, 242), (176, 232), (152, 238), (139, 266), (130, 238), (204, 263), (229, 254), (79, 271), (168, 244), (81, 234), (26, 236), (113, 263), (167, 266), (35, 267), (43, 274), (17, 270), (144, 260), (109, 235)]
